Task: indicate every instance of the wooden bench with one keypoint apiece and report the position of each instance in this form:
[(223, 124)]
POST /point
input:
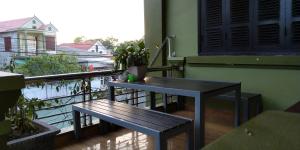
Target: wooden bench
[(249, 102), (159, 125)]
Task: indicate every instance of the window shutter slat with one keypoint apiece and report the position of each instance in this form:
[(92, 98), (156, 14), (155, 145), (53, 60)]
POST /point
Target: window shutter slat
[(214, 12), (213, 26), (294, 23), (296, 33), (239, 25), (269, 26), (268, 9), (296, 8)]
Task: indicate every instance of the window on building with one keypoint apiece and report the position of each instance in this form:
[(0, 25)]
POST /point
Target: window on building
[(7, 44), (33, 27), (249, 27), (50, 43), (101, 81), (33, 22), (97, 48), (49, 29)]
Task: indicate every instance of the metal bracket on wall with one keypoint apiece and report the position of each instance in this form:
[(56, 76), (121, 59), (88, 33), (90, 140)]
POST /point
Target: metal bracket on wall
[(167, 40)]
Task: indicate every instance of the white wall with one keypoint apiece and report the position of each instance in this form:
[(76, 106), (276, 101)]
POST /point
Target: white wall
[(101, 49), (30, 24)]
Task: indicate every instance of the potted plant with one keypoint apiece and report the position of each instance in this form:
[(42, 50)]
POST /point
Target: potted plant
[(132, 56), (27, 133)]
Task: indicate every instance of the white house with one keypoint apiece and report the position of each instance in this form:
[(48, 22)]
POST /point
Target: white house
[(27, 36)]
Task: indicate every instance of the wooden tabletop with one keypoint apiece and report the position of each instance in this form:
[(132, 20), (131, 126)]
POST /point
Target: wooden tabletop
[(181, 85)]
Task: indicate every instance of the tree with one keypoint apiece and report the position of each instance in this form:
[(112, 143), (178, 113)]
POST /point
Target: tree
[(48, 65), (109, 42), (79, 39)]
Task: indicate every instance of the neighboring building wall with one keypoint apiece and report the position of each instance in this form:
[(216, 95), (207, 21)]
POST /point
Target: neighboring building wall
[(101, 49), (14, 41), (31, 42), (279, 87), (31, 24)]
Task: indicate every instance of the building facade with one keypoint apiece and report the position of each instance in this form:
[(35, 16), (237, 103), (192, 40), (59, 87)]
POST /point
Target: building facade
[(27, 36)]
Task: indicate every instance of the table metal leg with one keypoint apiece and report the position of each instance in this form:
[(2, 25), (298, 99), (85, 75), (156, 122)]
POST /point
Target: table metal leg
[(160, 142), (199, 122), (238, 107), (111, 91), (77, 124), (152, 100), (104, 126)]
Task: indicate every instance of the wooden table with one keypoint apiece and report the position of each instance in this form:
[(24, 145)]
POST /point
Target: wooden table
[(198, 89)]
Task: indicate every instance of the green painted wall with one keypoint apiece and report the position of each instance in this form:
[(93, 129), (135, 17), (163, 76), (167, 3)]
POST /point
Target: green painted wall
[(153, 26), (181, 20), (280, 87)]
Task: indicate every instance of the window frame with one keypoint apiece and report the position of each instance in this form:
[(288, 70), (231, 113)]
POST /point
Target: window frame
[(7, 44), (286, 48)]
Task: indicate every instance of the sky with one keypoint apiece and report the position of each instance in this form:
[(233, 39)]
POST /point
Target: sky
[(122, 19)]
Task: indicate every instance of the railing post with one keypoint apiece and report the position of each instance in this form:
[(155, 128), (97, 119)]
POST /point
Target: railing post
[(136, 95), (84, 99), (132, 96), (90, 99)]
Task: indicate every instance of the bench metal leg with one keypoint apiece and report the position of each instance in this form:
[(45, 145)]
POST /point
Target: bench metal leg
[(190, 137), (259, 106), (180, 102), (165, 101), (152, 100), (246, 110), (77, 125), (160, 143), (237, 107)]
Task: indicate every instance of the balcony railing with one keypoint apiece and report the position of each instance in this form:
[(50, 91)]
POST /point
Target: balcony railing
[(63, 90)]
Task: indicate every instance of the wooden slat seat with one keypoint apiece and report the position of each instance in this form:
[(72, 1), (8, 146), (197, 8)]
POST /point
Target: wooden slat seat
[(159, 125)]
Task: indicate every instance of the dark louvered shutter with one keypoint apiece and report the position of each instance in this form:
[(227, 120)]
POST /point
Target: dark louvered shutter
[(213, 29), (50, 43), (7, 44), (239, 26), (293, 25), (269, 26)]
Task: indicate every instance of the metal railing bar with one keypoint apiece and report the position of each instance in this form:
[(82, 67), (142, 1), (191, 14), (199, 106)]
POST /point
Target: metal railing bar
[(45, 117), (73, 76)]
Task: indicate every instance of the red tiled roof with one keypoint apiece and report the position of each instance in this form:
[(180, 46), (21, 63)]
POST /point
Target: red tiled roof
[(82, 45), (13, 24)]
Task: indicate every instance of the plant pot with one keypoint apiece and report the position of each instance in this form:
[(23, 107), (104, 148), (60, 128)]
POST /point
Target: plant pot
[(43, 140), (138, 71)]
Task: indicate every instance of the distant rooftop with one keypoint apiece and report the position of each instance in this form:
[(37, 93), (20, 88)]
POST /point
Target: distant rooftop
[(11, 25)]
